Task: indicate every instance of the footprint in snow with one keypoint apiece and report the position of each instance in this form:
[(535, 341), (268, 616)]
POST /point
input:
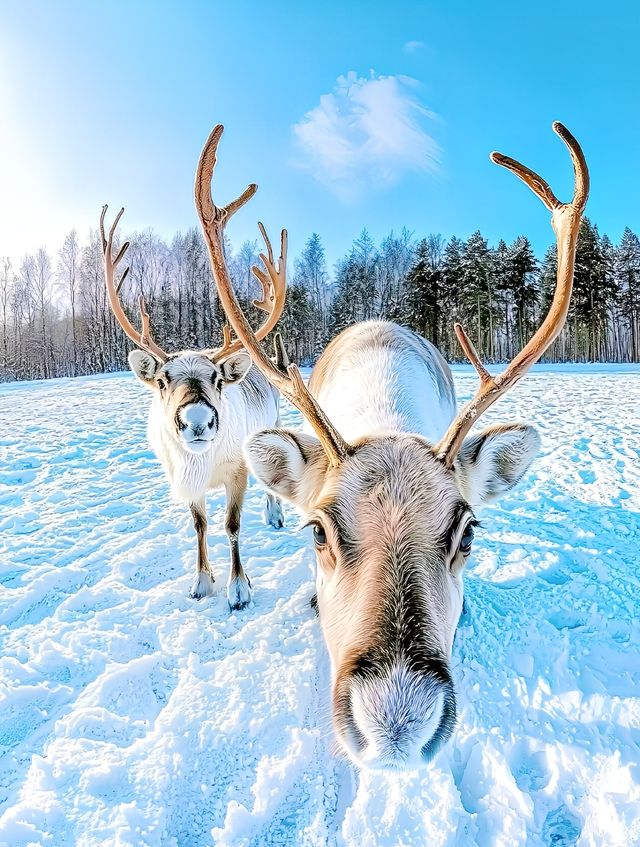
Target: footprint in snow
[(561, 828)]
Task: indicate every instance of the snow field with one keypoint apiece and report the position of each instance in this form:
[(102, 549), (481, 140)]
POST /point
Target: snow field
[(133, 716)]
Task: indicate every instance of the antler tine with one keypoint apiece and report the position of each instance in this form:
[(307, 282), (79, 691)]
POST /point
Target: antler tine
[(260, 275), (238, 203), (273, 282), (104, 240), (204, 176), (274, 285), (565, 220), (539, 186), (125, 274), (114, 226), (471, 353), (142, 339), (226, 335), (267, 240), (265, 282), (121, 253), (580, 169)]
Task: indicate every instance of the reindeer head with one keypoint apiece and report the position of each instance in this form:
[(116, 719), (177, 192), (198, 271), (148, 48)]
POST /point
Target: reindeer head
[(392, 514), (188, 390), (188, 386), (392, 529)]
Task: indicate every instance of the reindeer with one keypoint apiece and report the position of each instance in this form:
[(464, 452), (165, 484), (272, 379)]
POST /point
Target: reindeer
[(204, 405), (389, 482)]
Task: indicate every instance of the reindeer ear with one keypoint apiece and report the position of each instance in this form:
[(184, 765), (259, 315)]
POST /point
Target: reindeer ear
[(291, 464), (144, 365), (494, 461), (235, 367)]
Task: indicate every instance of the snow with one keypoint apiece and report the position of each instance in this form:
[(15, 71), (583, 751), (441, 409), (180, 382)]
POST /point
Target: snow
[(133, 716)]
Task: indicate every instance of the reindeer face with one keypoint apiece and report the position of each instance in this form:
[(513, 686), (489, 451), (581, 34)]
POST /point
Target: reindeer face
[(188, 388), (392, 528)]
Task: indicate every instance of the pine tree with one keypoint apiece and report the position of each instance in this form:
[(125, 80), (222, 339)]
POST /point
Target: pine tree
[(452, 282), (424, 289), (504, 297), (525, 290), (364, 266), (344, 308), (312, 279), (606, 299), (594, 288), (627, 271), (297, 324), (478, 298)]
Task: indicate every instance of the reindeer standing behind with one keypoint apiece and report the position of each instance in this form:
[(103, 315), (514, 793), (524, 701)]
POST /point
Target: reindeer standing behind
[(204, 405), (389, 482)]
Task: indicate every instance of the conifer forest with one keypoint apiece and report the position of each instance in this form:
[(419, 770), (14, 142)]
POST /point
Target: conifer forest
[(56, 321)]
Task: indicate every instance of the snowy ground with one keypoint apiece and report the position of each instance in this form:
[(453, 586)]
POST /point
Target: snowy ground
[(131, 715)]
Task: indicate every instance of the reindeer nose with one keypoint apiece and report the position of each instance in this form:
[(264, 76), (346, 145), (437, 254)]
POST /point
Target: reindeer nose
[(197, 417), (399, 719)]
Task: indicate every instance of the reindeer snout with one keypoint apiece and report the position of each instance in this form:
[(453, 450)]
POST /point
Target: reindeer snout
[(398, 719), (196, 423)]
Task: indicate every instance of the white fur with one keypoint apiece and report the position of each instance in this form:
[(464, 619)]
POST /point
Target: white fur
[(201, 413), (374, 389), (397, 715), (238, 593), (202, 586), (478, 479), (190, 474)]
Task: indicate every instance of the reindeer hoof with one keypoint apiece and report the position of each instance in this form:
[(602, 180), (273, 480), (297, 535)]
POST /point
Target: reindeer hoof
[(202, 586), (239, 593)]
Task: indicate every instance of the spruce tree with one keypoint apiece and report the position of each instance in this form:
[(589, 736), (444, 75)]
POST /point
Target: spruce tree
[(627, 270), (525, 289), (424, 290), (478, 297), (452, 281)]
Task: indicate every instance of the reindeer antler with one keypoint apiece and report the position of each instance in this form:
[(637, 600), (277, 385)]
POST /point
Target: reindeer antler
[(142, 339), (565, 220), (213, 220)]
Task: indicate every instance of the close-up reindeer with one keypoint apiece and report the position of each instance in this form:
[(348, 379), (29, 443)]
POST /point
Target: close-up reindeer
[(204, 404), (389, 482)]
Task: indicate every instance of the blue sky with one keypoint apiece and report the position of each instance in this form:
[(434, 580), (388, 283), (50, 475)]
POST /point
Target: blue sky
[(346, 115)]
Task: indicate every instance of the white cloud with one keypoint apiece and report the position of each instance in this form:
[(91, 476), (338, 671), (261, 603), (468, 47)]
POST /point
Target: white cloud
[(367, 133), (413, 46)]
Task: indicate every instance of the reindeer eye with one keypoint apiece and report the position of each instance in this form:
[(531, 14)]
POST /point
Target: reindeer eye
[(467, 539), (319, 535), (161, 384)]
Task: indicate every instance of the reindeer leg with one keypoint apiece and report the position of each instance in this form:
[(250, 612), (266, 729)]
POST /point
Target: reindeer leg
[(273, 513), (239, 586), (203, 582)]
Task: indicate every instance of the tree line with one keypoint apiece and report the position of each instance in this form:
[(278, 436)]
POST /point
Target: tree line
[(56, 320)]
